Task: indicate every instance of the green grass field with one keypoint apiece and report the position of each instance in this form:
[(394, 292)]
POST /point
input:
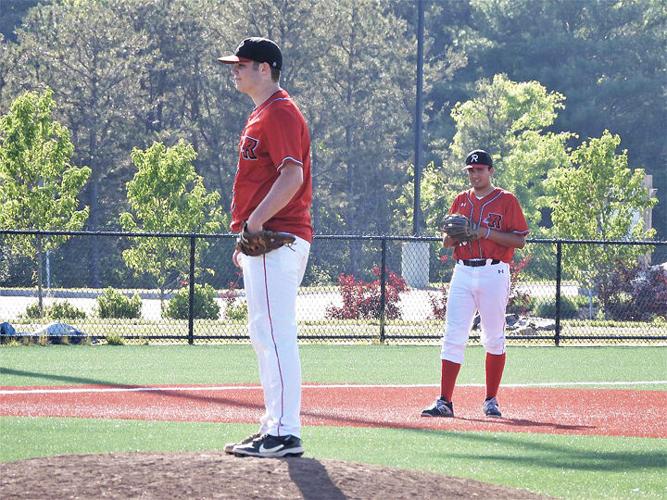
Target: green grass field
[(559, 465)]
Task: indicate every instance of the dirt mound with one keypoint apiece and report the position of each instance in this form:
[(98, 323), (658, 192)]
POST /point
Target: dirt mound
[(216, 475)]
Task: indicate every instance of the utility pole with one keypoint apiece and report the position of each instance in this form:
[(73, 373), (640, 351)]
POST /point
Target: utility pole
[(419, 109)]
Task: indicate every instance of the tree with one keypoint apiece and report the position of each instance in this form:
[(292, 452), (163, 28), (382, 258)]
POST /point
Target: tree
[(598, 197), (166, 195), (509, 120), (39, 184), (11, 15), (97, 68)]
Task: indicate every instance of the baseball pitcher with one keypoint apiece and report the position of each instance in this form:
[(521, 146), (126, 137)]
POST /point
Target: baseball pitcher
[(271, 203)]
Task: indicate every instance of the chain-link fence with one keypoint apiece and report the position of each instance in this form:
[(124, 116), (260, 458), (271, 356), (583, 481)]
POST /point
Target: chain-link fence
[(140, 288)]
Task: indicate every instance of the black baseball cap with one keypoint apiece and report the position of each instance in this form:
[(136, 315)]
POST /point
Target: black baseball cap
[(256, 49), (478, 157)]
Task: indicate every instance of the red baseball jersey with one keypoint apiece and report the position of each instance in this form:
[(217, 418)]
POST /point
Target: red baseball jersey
[(275, 133), (499, 210)]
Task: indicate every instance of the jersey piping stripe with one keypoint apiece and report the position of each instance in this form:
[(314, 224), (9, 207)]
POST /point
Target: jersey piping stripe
[(481, 216), (250, 137), (260, 111), (289, 158), (275, 347), (472, 206)]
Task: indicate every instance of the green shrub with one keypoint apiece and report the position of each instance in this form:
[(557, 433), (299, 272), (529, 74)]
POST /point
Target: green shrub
[(547, 308), (57, 310), (113, 304), (33, 312), (521, 304), (65, 310), (114, 339), (237, 312), (204, 307)]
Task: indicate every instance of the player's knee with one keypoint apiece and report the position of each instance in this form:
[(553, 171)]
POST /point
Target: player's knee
[(494, 346), (453, 351)]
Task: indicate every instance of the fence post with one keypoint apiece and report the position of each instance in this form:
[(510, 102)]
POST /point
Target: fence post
[(191, 294), (383, 287), (559, 265)]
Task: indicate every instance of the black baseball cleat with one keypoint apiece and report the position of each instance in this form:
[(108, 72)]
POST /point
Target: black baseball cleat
[(441, 408), (491, 409), (268, 446), (229, 447)]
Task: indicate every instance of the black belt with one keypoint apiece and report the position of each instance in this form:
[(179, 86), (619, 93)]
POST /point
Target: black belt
[(478, 263)]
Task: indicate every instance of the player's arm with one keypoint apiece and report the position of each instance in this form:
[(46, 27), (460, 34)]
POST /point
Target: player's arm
[(448, 241), (283, 190), (511, 240)]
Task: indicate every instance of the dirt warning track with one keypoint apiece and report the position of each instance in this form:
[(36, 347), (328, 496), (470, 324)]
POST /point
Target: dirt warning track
[(610, 412)]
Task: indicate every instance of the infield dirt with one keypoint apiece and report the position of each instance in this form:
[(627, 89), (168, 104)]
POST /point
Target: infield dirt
[(215, 475)]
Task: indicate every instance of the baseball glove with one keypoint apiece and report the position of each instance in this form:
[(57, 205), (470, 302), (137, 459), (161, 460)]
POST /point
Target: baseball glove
[(458, 227), (261, 242)]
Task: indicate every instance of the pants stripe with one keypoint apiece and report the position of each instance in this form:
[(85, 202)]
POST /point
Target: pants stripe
[(275, 347)]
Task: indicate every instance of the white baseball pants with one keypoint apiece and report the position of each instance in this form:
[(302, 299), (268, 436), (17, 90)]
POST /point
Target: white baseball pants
[(484, 289), (271, 282)]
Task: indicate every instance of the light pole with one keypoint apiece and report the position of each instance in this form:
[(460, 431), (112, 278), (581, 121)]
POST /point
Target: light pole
[(419, 109)]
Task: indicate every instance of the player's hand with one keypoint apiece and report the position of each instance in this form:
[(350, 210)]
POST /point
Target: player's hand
[(252, 226)]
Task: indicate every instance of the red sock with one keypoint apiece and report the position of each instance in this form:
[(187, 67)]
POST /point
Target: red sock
[(495, 363), (450, 371)]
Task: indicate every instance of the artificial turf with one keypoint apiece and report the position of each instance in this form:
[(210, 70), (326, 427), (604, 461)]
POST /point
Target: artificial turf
[(358, 364)]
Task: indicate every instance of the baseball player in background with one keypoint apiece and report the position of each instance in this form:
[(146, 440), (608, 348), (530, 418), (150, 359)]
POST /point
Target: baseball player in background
[(480, 282), (272, 190)]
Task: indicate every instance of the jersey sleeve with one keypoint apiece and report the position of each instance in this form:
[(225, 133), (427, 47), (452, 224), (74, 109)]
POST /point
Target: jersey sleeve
[(455, 204), (517, 221), (283, 136)]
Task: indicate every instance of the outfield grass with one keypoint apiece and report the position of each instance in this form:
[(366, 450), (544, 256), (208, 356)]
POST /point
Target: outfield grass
[(359, 364), (560, 465)]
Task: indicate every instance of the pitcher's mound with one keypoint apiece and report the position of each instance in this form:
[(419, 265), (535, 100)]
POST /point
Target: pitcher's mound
[(216, 475)]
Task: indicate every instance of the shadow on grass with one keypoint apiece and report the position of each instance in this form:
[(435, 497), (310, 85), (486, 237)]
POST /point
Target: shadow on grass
[(522, 422), (551, 455), (159, 392), (50, 377)]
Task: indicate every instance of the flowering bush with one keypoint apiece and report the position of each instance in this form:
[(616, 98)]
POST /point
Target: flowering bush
[(636, 294), (438, 300), (362, 300), (519, 302), (236, 309), (439, 303)]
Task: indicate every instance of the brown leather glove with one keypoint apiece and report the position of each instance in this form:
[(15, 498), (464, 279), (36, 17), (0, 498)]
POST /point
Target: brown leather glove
[(261, 242), (458, 227)]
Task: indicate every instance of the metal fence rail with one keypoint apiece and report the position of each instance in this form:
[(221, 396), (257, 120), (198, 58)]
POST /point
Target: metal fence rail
[(357, 288)]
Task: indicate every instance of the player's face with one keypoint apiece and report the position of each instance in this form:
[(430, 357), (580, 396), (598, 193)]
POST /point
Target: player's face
[(246, 76), (480, 176)]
